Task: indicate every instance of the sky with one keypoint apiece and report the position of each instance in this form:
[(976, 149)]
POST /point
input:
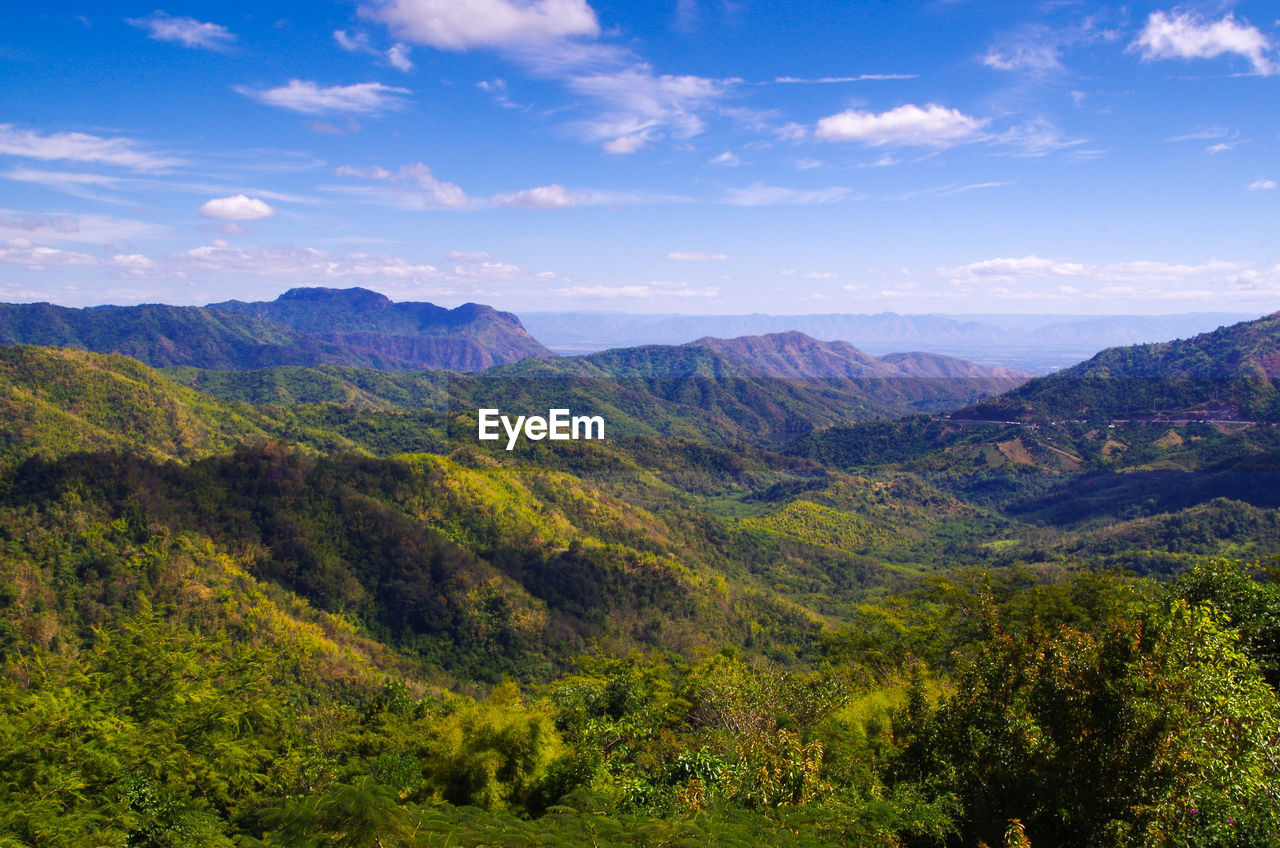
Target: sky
[(695, 156)]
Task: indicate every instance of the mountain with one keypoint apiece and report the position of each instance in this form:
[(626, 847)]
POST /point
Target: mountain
[(1229, 373), (353, 327), (471, 337), (798, 356), (1037, 343), (59, 401), (164, 336)]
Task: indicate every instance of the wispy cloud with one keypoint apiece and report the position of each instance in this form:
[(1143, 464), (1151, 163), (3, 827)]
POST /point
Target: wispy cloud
[(82, 147), (696, 256), (646, 291), (309, 98), (410, 187), (832, 80), (397, 56), (188, 32), (951, 189), (1186, 35), (1262, 185), (760, 194), (1010, 270)]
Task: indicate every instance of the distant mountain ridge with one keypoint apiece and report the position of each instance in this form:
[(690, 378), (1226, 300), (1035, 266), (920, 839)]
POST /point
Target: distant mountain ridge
[(1037, 343), (798, 356), (304, 326)]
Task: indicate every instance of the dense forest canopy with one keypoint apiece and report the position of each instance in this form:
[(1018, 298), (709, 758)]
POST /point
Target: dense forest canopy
[(304, 606)]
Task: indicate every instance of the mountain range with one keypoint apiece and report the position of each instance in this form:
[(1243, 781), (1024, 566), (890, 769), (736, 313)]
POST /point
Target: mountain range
[(1036, 343), (256, 605), (306, 326)]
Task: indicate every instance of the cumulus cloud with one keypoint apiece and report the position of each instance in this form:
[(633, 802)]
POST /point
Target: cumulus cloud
[(185, 31), (305, 96), (543, 197), (81, 147), (1262, 185), (237, 208), (930, 125), (1186, 35), (463, 24), (410, 187), (696, 256)]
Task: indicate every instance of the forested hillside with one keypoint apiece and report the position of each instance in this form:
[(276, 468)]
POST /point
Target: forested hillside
[(1229, 373), (306, 606)]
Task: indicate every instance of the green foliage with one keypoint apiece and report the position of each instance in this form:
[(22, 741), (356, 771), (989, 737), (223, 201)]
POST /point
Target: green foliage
[(1153, 730)]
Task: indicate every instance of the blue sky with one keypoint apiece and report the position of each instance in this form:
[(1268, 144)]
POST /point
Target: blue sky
[(696, 156)]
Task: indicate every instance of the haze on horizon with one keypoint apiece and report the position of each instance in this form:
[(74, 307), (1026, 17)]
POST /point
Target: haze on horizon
[(693, 157)]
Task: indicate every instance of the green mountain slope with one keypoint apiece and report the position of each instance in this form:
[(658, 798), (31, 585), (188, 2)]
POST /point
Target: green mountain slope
[(1229, 373), (58, 401)]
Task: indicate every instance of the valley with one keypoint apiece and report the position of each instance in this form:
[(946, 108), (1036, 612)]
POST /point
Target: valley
[(795, 592)]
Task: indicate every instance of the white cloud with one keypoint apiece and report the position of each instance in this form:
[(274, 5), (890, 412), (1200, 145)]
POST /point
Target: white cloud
[(305, 96), (645, 291), (760, 194), (1009, 270), (696, 256), (1026, 55), (411, 187), (821, 275), (68, 182), (80, 229), (222, 258), (81, 147), (237, 208), (728, 159), (21, 251), (185, 31), (1185, 35), (1262, 185), (488, 269), (543, 197), (639, 106), (398, 57), (931, 125), (468, 256), (463, 24), (829, 80), (627, 143), (950, 189)]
